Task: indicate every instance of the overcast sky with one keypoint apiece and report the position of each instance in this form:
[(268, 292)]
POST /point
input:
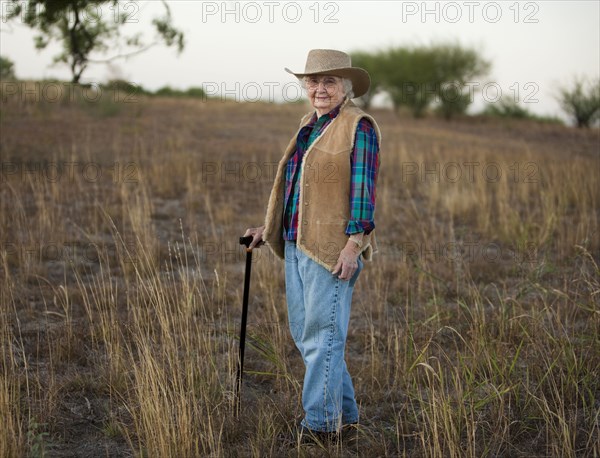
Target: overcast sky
[(242, 47)]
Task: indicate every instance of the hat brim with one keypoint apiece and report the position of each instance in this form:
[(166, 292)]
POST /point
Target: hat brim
[(361, 81)]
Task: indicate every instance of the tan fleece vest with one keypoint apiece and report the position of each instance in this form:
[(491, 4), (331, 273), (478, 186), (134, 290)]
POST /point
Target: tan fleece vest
[(324, 201)]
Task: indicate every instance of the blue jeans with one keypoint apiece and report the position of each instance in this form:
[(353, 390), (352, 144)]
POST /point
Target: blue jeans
[(318, 312)]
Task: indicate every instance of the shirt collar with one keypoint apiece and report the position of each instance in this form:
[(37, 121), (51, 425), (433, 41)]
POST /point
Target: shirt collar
[(327, 116)]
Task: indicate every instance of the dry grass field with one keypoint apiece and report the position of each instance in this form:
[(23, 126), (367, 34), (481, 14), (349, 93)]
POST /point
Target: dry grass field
[(474, 332)]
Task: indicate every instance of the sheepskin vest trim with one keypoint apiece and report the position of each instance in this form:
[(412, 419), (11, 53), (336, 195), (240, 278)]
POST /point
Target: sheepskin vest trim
[(324, 200)]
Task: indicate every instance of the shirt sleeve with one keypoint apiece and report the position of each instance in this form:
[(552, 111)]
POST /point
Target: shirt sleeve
[(364, 162)]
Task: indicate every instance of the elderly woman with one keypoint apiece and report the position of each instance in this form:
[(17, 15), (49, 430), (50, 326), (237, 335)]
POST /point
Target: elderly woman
[(320, 220)]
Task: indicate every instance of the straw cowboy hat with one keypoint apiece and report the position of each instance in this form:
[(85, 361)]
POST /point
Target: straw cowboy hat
[(336, 63)]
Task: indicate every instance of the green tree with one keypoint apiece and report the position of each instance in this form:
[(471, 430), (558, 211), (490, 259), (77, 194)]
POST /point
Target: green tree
[(7, 69), (85, 28), (455, 67), (581, 101), (372, 64), (416, 76), (453, 99), (507, 107), (409, 78)]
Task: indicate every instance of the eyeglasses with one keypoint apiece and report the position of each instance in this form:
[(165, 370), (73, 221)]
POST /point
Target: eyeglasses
[(329, 82)]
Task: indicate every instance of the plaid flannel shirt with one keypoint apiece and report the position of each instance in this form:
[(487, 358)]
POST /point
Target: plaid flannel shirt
[(364, 162)]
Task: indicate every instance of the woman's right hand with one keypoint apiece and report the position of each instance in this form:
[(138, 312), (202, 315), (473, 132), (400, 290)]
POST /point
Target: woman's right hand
[(256, 233)]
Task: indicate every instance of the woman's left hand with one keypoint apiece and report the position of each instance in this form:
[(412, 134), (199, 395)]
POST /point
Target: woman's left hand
[(347, 262)]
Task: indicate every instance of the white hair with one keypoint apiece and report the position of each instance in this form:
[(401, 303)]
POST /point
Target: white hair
[(348, 88), (346, 83)]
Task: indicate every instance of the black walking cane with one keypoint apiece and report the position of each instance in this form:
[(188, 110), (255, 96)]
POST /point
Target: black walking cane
[(240, 370)]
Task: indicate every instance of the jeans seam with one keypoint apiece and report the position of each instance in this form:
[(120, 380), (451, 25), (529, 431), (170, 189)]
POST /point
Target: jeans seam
[(330, 348)]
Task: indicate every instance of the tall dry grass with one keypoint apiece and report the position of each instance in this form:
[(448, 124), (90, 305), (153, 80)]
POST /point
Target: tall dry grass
[(473, 333)]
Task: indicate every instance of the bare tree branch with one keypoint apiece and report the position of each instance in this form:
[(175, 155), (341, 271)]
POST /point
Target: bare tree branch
[(123, 56)]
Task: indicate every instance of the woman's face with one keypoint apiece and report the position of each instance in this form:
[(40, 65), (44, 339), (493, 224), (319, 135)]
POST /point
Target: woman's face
[(324, 92)]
